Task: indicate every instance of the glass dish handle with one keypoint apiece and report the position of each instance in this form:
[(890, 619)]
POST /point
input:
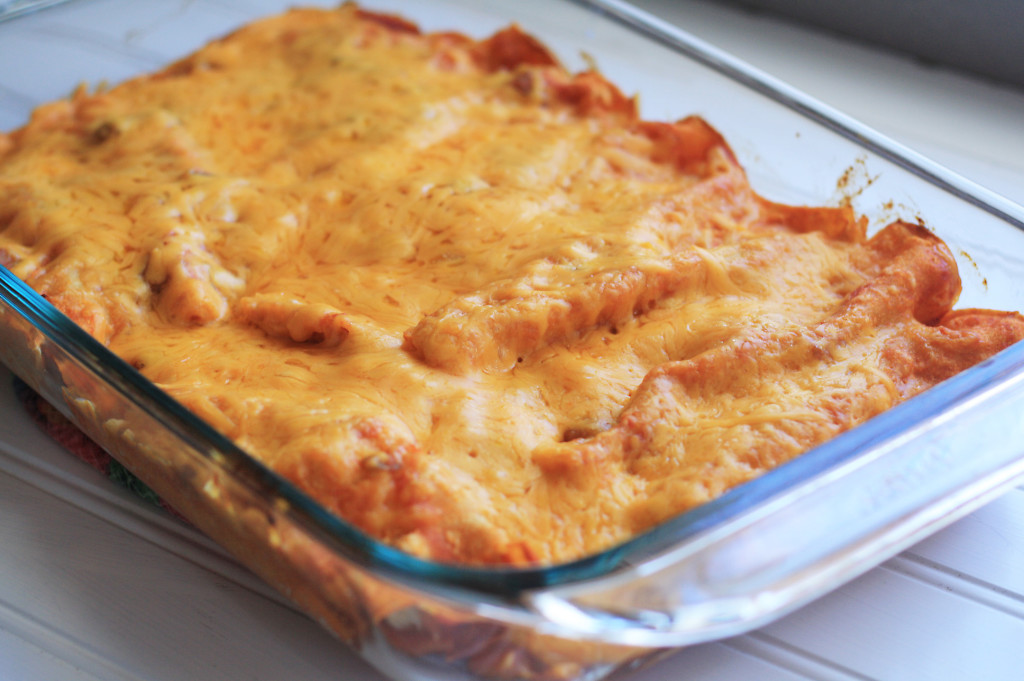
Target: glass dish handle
[(797, 546)]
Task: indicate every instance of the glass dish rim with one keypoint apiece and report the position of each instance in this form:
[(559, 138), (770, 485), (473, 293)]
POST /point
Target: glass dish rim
[(501, 583)]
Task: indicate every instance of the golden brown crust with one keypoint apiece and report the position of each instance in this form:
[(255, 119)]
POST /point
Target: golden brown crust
[(469, 301)]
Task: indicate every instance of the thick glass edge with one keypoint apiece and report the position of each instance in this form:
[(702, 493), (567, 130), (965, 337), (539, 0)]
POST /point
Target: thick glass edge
[(666, 602), (11, 9), (487, 583)]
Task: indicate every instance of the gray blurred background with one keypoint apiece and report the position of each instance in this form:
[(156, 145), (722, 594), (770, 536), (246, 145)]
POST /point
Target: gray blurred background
[(983, 37)]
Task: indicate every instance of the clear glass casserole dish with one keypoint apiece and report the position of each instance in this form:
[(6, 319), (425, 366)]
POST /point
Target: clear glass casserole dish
[(748, 557)]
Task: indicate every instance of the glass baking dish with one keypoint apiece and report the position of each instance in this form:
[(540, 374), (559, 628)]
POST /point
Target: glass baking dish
[(734, 564)]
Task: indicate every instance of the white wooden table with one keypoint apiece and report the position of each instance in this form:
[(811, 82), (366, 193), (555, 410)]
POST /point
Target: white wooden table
[(94, 585)]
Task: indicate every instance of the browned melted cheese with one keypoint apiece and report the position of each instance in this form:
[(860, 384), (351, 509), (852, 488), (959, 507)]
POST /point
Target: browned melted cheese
[(467, 300)]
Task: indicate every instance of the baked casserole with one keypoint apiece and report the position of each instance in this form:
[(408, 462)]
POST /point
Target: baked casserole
[(469, 301)]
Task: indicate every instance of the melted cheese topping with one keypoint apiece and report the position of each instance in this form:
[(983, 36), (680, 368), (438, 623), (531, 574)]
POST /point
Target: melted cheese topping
[(468, 301)]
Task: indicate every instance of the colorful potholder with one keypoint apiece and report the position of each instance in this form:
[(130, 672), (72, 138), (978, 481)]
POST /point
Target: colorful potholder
[(78, 443)]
